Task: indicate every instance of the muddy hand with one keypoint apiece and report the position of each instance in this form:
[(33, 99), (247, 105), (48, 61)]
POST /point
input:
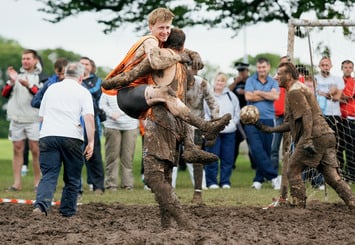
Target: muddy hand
[(197, 63), (185, 58)]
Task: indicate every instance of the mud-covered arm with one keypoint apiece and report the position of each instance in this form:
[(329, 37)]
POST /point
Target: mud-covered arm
[(307, 121), (160, 60), (284, 127), (196, 60), (157, 58), (125, 78), (301, 110)]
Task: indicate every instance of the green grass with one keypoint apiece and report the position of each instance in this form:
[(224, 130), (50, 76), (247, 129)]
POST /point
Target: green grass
[(239, 195)]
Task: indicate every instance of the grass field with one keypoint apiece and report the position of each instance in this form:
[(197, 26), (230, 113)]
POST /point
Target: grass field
[(240, 194)]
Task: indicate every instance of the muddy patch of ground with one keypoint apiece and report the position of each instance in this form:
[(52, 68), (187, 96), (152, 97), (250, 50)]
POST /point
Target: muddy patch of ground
[(97, 223)]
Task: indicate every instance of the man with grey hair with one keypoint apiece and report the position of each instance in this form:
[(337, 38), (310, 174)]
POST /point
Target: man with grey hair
[(63, 107)]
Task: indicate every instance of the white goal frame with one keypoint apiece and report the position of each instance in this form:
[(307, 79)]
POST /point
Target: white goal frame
[(293, 23)]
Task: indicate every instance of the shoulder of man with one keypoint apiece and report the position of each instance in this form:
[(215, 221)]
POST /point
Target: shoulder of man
[(146, 37), (145, 40)]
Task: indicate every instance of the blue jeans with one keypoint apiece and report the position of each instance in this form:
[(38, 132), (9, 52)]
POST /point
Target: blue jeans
[(260, 148), (275, 146), (224, 148), (53, 151)]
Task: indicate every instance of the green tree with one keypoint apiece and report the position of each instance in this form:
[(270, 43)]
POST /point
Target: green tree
[(49, 56), (231, 14), (10, 53)]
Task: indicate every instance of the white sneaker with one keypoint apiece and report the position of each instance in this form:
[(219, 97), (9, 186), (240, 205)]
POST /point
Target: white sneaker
[(24, 170), (226, 186), (256, 185), (276, 183), (91, 187), (321, 188), (214, 186)]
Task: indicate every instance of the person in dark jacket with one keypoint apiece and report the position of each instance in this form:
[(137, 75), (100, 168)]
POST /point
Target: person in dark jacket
[(95, 170), (59, 67)]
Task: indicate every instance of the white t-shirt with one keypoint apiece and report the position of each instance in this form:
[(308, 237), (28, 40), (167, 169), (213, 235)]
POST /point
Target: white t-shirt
[(62, 106), (108, 103), (332, 108)]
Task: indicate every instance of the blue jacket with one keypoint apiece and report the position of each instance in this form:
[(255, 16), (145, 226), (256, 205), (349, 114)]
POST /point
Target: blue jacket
[(37, 99)]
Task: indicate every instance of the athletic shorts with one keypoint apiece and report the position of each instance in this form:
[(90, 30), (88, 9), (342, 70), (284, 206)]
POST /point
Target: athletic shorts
[(20, 131), (132, 100)]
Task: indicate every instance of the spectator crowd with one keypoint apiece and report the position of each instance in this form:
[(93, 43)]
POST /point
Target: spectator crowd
[(59, 121)]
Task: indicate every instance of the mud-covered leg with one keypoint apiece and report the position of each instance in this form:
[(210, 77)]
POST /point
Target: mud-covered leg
[(297, 187), (332, 177), (298, 193), (210, 129), (154, 171), (285, 158), (125, 78), (193, 153)]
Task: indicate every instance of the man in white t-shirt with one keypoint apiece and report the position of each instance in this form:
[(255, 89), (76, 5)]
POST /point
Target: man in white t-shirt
[(63, 107), (331, 87)]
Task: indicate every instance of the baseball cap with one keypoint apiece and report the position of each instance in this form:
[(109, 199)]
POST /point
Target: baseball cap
[(240, 66)]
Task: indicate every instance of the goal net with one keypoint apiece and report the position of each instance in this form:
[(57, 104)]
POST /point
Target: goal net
[(308, 42)]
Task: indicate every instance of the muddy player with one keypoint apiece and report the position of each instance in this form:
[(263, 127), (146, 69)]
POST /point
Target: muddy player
[(314, 140), (197, 92), (138, 95), (161, 147)]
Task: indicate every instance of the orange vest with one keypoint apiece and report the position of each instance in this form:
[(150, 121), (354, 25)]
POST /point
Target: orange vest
[(127, 64)]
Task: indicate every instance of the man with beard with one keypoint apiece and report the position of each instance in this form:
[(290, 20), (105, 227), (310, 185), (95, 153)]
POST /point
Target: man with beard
[(314, 141)]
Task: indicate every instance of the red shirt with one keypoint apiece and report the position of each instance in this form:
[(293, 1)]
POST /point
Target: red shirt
[(348, 109), (279, 104)]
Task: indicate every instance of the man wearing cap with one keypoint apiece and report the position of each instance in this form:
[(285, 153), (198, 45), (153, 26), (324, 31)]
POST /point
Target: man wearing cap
[(239, 82)]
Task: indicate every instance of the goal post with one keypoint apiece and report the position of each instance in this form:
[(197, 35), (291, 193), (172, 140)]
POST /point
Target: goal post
[(293, 23), (293, 26)]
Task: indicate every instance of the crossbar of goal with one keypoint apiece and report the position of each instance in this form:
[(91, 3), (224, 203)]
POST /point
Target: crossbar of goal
[(292, 23)]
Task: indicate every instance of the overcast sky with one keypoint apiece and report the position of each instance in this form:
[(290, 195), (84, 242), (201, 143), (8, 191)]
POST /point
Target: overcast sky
[(20, 20)]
